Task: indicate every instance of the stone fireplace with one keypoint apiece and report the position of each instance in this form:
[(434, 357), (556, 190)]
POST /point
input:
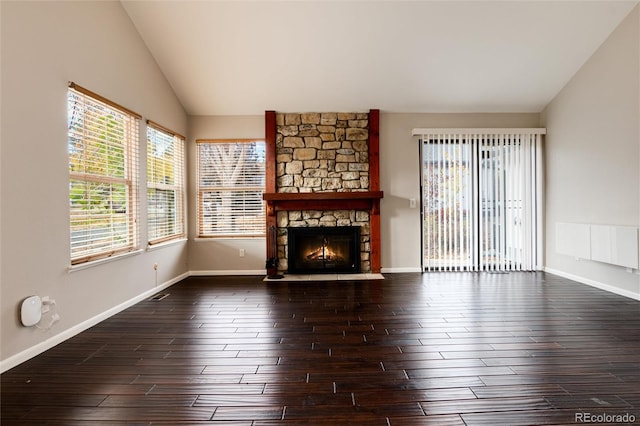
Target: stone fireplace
[(323, 172)]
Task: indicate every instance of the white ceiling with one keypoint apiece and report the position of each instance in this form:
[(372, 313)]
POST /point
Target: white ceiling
[(245, 57)]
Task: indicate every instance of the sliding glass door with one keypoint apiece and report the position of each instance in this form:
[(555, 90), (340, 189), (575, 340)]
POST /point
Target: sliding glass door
[(481, 201)]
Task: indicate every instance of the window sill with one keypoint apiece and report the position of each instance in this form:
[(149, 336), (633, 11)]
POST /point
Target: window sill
[(212, 239), (81, 266), (165, 244)]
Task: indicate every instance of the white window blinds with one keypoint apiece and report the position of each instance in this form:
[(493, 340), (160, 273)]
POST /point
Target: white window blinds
[(482, 199), (231, 175), (165, 184), (103, 176)]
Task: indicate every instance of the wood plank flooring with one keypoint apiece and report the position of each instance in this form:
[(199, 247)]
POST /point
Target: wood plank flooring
[(413, 349)]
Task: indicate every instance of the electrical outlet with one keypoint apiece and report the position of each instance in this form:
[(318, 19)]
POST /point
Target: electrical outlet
[(412, 203), (241, 252), (155, 266)]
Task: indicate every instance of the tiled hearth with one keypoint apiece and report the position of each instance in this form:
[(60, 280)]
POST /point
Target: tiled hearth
[(328, 277)]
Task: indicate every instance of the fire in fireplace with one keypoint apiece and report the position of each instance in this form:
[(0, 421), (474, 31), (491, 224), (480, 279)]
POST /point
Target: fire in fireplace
[(318, 250)]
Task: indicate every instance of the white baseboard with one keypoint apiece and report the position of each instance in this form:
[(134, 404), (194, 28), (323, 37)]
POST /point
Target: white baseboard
[(228, 272), (400, 270), (37, 349), (593, 283)]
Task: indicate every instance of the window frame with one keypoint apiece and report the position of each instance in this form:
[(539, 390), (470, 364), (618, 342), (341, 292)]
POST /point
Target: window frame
[(178, 187), (82, 131), (202, 190)]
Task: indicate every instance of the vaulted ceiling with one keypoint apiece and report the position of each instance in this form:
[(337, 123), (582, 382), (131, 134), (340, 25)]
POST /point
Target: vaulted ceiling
[(245, 57)]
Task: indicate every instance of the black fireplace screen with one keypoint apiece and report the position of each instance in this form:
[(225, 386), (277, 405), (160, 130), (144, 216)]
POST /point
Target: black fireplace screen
[(317, 250)]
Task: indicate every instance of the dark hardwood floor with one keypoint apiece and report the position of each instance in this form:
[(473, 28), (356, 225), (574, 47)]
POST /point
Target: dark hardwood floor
[(413, 349)]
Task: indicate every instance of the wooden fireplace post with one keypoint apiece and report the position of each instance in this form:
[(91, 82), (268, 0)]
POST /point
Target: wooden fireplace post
[(270, 180), (374, 186)]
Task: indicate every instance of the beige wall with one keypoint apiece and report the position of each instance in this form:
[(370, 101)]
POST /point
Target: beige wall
[(400, 177), (45, 45), (593, 153), (221, 255)]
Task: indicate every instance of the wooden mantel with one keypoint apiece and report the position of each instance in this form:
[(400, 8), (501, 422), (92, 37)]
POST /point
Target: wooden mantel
[(323, 200), (355, 200)]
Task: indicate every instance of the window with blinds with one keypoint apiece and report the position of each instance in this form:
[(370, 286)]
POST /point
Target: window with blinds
[(482, 192), (231, 179), (103, 176), (165, 184)]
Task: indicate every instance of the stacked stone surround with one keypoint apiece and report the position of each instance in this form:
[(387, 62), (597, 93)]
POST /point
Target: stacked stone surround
[(322, 152)]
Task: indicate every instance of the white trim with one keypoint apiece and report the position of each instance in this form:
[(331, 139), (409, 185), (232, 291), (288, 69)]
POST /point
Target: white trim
[(228, 272), (593, 283), (479, 131), (400, 270), (37, 349)]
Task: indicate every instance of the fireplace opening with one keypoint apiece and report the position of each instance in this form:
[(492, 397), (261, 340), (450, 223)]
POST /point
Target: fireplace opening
[(318, 250)]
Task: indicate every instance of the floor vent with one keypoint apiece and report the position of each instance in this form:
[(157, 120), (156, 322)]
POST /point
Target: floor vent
[(158, 297)]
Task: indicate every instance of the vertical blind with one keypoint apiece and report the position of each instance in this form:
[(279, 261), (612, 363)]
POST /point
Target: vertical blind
[(231, 179), (103, 176), (165, 184), (481, 203)]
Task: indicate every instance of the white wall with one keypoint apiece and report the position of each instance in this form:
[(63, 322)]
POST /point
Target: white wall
[(45, 45), (222, 255), (593, 154)]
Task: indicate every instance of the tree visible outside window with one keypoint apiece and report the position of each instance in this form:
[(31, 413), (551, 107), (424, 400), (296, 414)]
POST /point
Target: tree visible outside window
[(165, 184), (103, 177), (231, 175)]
